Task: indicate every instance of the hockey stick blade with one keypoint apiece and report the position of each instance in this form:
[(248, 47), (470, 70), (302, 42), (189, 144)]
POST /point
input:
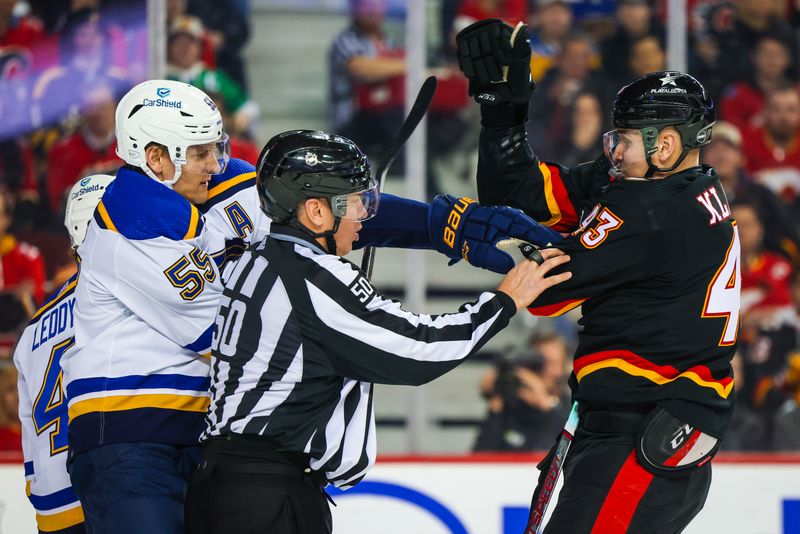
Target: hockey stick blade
[(415, 116), (539, 507)]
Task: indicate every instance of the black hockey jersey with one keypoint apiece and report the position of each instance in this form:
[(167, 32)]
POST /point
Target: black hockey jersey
[(656, 268)]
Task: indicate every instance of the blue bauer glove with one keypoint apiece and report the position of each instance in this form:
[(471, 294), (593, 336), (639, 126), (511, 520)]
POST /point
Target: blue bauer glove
[(460, 228)]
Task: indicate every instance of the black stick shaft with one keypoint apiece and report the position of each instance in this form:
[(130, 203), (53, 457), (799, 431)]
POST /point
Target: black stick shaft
[(418, 110)]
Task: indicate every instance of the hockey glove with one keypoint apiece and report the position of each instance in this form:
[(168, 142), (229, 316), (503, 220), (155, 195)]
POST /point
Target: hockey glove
[(462, 228), (496, 59)]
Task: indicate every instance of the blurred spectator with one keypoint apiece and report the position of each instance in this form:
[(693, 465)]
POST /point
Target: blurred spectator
[(725, 155), (634, 19), (770, 365), (765, 275), (177, 9), (21, 265), (550, 22), (743, 102), (19, 34), (753, 20), (748, 430), (10, 428), (92, 53), (787, 420), (185, 64), (526, 398), (554, 96), (18, 171), (17, 30), (773, 149), (647, 55), (228, 30), (585, 139), (90, 150), (366, 79), (511, 11), (241, 147)]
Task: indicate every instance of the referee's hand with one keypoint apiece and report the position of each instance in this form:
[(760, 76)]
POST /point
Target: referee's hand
[(528, 279)]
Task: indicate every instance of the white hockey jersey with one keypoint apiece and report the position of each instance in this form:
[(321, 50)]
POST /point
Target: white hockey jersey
[(146, 298), (43, 411), (233, 214)]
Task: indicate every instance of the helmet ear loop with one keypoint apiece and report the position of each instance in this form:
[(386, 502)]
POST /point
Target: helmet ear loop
[(171, 183), (650, 148), (649, 138), (330, 241)]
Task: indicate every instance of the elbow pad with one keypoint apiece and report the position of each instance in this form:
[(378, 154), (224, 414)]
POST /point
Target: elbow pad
[(508, 147)]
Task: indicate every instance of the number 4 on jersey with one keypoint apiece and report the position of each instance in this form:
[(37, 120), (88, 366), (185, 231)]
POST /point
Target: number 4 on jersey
[(49, 408), (723, 294)]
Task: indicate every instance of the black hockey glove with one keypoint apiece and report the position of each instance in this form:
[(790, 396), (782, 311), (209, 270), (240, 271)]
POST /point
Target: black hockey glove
[(496, 59)]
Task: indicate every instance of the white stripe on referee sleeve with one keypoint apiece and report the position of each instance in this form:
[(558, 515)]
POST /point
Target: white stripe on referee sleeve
[(341, 320)]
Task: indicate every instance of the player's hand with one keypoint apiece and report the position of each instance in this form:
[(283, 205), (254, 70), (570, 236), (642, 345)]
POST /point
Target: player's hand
[(525, 282), (496, 59), (460, 228)]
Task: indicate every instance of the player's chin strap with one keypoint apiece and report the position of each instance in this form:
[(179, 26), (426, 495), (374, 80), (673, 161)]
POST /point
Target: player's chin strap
[(649, 136), (330, 242), (169, 183)]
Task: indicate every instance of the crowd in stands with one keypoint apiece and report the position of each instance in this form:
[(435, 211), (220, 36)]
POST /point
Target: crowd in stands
[(64, 64)]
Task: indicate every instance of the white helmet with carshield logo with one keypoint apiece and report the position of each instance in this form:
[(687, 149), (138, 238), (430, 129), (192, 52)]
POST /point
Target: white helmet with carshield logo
[(81, 202), (173, 114)]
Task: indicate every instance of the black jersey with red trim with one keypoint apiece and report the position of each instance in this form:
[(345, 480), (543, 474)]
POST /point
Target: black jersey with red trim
[(656, 269)]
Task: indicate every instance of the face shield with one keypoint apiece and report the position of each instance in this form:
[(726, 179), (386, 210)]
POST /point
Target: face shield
[(358, 206), (209, 158), (624, 149)]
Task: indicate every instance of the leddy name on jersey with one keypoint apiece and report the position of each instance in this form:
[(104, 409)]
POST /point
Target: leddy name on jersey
[(54, 322)]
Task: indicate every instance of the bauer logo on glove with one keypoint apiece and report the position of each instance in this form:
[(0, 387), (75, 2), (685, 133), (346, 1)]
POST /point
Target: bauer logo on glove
[(454, 220), (460, 228)]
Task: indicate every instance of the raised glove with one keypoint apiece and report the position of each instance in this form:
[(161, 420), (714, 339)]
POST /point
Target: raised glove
[(462, 228), (496, 59)]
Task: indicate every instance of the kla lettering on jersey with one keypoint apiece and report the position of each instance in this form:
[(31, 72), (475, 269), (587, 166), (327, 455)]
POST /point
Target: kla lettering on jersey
[(149, 102), (54, 322)]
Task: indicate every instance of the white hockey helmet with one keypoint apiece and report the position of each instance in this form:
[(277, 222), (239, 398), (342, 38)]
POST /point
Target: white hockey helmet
[(81, 203), (174, 114)]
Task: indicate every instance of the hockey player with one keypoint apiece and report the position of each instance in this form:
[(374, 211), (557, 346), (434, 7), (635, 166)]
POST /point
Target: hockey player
[(656, 267), (301, 334), (42, 408), (137, 379)]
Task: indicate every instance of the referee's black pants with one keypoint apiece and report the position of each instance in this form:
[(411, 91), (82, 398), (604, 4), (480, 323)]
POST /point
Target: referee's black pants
[(243, 489), (607, 491)]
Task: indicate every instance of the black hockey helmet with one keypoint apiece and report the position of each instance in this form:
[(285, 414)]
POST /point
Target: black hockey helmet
[(666, 98), (302, 164)]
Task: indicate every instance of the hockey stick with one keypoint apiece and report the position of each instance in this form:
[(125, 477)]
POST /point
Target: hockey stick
[(423, 100), (553, 472)]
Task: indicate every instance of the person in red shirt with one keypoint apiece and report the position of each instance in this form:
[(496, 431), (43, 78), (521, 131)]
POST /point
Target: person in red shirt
[(512, 11), (773, 150), (743, 102), (21, 265), (241, 147), (19, 34), (10, 428), (90, 150), (765, 274)]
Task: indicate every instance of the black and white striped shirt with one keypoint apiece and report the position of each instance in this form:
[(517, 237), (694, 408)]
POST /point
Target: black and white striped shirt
[(299, 339)]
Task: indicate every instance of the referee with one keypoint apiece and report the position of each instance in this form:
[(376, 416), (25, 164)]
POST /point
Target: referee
[(300, 337)]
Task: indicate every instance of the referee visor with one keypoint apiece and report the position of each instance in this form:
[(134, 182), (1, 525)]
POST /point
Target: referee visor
[(358, 206)]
